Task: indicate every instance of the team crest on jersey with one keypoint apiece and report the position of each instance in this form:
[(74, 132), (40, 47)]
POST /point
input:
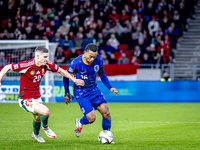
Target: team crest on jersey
[(96, 68), (32, 72), (43, 71)]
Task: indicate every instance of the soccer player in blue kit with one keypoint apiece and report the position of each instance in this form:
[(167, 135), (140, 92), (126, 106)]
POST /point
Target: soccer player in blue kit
[(86, 67)]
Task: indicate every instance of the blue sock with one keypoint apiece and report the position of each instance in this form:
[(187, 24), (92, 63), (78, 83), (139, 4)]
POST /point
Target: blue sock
[(36, 127), (106, 124), (84, 120), (44, 121)]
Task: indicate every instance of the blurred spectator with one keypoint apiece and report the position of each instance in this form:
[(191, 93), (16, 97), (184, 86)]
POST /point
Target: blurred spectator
[(100, 39), (64, 29), (142, 45), (72, 55), (119, 29), (59, 56), (165, 77), (2, 59), (124, 17), (133, 41), (151, 51), (68, 45), (145, 60), (112, 59), (113, 41), (137, 55), (163, 52), (74, 28), (108, 48), (153, 25), (113, 16), (58, 39), (78, 41), (48, 33), (123, 60), (40, 30), (125, 36), (104, 57), (29, 33), (18, 34), (88, 40)]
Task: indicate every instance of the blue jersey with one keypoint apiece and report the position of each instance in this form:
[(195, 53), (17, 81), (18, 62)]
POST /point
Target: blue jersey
[(81, 70), (84, 71), (89, 96)]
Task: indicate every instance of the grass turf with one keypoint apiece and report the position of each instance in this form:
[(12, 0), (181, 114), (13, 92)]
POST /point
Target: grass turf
[(164, 126)]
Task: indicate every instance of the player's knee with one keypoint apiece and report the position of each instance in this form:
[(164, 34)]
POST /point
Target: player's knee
[(106, 115), (37, 118), (46, 113), (92, 118)]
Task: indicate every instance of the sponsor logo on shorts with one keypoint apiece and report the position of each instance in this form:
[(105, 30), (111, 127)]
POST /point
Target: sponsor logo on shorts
[(32, 72)]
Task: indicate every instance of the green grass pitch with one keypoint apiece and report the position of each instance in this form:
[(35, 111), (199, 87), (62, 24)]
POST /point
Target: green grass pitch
[(138, 126)]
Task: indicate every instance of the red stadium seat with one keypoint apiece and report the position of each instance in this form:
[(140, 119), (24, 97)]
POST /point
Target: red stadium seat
[(66, 52), (129, 55), (79, 52), (123, 47), (3, 23), (117, 55)]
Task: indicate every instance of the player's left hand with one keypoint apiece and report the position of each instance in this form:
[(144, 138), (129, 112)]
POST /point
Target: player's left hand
[(114, 91), (68, 98), (79, 82)]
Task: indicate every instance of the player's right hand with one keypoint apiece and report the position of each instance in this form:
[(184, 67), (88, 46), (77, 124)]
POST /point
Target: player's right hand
[(79, 82), (68, 98)]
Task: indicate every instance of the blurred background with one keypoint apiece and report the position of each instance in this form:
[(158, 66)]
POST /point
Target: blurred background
[(150, 48)]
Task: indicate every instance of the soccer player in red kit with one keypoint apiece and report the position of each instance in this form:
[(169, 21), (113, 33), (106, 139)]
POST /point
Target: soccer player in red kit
[(29, 96)]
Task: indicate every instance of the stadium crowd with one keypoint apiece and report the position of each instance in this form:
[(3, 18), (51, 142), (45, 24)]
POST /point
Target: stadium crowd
[(126, 31)]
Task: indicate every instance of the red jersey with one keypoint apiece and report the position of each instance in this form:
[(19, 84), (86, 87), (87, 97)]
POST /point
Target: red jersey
[(31, 76)]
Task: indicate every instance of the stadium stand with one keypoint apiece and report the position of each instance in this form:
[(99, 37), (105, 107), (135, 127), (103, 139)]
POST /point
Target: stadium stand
[(118, 26)]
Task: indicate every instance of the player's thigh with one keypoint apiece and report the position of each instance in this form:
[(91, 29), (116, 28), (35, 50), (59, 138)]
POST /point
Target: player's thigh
[(104, 110), (85, 105), (34, 106), (41, 110)]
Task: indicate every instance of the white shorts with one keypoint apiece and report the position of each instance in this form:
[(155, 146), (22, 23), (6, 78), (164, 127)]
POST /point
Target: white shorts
[(29, 104)]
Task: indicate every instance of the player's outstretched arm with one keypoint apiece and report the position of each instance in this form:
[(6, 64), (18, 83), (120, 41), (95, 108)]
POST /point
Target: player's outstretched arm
[(4, 71), (106, 82), (114, 90), (64, 73), (68, 97)]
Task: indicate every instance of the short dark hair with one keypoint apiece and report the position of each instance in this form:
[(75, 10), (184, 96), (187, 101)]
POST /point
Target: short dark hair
[(91, 47), (41, 49)]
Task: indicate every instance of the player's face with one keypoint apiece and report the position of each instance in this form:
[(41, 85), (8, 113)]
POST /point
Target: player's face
[(43, 58), (90, 56)]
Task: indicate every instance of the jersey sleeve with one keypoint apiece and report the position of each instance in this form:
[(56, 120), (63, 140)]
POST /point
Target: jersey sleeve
[(71, 68), (52, 67), (21, 67)]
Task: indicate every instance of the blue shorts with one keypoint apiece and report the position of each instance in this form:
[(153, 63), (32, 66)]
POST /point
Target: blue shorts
[(90, 99)]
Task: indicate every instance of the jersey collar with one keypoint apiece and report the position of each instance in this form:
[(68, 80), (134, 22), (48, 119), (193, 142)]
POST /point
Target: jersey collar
[(85, 61)]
